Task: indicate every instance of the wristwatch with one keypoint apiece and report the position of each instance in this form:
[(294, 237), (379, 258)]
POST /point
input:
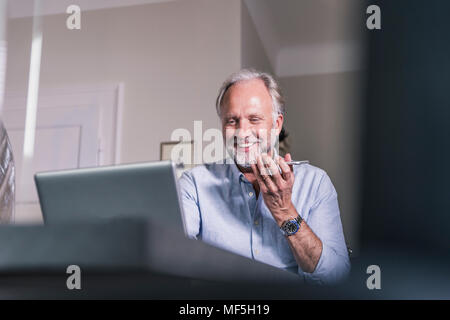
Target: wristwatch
[(291, 227)]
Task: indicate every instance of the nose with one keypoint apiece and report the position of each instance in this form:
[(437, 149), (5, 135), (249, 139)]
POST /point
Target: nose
[(244, 130)]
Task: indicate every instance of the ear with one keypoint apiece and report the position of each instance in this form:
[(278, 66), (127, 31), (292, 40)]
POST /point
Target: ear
[(279, 123)]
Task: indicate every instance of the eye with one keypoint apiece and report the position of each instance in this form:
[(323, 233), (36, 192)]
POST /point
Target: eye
[(231, 122), (254, 119)]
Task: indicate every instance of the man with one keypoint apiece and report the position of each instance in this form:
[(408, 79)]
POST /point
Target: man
[(257, 205)]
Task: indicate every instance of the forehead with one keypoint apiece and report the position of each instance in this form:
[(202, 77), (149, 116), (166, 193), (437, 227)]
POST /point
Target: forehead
[(249, 95)]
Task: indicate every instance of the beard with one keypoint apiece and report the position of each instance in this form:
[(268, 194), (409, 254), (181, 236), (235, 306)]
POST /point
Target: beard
[(256, 146)]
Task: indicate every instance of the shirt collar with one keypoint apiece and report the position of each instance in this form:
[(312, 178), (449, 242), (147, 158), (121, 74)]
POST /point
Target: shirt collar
[(232, 170), (236, 174)]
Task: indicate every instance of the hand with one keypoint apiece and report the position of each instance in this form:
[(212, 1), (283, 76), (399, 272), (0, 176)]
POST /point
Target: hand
[(276, 188)]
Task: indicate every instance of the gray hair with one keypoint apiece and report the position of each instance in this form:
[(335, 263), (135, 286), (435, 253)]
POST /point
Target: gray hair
[(250, 74)]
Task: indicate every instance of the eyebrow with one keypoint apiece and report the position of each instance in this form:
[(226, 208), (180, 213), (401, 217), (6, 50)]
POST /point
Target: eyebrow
[(257, 115), (230, 116)]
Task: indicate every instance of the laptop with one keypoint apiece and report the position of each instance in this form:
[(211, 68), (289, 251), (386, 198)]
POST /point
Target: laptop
[(141, 190)]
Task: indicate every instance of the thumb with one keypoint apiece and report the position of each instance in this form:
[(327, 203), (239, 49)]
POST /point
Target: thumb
[(287, 157)]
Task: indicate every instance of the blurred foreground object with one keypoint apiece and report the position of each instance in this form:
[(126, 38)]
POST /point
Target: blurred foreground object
[(7, 175)]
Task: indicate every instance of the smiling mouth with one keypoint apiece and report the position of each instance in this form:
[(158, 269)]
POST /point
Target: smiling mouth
[(245, 145)]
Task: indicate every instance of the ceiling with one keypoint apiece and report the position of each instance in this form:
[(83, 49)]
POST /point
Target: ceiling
[(299, 36), (324, 35), (24, 8)]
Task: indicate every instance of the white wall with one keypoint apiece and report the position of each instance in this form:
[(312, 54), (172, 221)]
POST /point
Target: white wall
[(252, 51), (172, 58), (323, 116)]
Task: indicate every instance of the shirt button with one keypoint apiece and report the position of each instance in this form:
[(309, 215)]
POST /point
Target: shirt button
[(256, 222), (256, 251), (250, 194)]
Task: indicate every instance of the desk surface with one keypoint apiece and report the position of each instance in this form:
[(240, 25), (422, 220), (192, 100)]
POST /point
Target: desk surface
[(132, 259)]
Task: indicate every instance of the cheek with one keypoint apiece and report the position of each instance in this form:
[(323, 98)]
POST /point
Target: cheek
[(263, 132), (228, 133)]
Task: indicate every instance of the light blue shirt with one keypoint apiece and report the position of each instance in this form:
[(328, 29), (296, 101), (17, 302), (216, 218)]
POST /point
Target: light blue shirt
[(221, 208)]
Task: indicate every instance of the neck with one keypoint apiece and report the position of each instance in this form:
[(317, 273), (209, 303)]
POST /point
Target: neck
[(244, 170)]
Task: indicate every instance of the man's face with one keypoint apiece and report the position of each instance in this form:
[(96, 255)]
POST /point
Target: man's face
[(247, 121)]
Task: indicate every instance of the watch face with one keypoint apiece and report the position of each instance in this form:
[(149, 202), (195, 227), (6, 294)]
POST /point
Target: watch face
[(291, 227)]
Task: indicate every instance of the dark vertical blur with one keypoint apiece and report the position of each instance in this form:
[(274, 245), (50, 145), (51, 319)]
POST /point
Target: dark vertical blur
[(406, 141)]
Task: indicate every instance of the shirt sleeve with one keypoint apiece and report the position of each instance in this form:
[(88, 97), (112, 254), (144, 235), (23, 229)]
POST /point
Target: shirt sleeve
[(325, 221), (189, 201)]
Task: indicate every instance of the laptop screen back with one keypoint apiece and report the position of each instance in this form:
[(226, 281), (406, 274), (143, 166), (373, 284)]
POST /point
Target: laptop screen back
[(146, 190)]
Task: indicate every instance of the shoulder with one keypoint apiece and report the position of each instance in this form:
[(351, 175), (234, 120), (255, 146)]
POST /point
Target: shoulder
[(209, 169), (208, 173), (314, 179), (309, 172)]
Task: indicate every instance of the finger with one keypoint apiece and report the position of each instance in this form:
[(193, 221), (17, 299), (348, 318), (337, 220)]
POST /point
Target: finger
[(259, 179), (276, 176), (285, 169), (288, 158), (270, 184), (263, 168)]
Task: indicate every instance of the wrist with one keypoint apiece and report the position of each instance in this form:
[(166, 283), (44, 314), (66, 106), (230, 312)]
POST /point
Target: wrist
[(291, 226), (284, 214)]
